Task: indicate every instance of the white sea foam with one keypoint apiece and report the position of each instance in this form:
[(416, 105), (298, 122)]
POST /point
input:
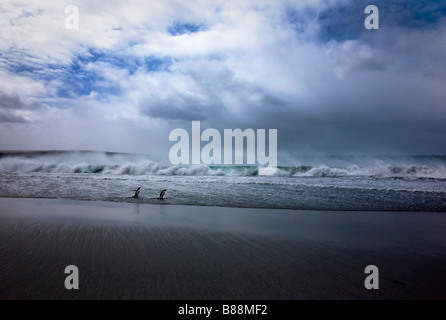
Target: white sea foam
[(120, 164)]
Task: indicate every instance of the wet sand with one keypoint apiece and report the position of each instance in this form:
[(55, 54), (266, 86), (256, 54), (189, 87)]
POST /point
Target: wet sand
[(136, 251)]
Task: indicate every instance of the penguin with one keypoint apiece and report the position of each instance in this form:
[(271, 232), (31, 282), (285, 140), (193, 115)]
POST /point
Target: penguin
[(137, 191), (163, 192)]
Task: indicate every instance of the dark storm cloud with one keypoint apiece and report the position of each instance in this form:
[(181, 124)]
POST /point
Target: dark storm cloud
[(11, 104), (385, 119), (176, 108), (14, 102), (8, 116)]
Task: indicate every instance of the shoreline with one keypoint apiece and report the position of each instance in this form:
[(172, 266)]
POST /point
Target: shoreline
[(165, 202), (131, 251)]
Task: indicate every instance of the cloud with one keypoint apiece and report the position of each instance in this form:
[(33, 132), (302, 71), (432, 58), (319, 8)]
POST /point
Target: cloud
[(6, 116), (133, 71), (14, 109), (15, 102)]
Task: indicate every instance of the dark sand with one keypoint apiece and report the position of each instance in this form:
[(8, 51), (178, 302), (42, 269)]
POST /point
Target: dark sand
[(131, 251)]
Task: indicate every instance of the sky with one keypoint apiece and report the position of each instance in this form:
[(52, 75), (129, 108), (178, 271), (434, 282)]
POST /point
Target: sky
[(135, 70)]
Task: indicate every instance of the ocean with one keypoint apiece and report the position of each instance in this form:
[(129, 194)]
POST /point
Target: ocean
[(387, 183)]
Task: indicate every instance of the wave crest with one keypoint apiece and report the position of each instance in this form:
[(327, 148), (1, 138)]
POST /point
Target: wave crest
[(120, 164)]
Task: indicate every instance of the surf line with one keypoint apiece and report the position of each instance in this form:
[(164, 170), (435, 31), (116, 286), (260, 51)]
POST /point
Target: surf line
[(211, 153)]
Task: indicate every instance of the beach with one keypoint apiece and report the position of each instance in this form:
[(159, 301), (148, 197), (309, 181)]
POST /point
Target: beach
[(145, 251)]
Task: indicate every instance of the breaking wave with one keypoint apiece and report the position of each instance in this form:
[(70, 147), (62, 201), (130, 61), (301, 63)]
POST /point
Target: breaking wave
[(385, 171), (124, 164)]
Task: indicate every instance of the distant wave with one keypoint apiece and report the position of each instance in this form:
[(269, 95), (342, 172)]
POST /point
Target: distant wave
[(124, 164), (386, 171)]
